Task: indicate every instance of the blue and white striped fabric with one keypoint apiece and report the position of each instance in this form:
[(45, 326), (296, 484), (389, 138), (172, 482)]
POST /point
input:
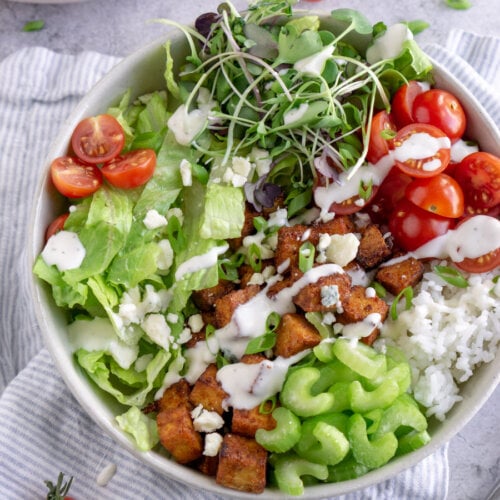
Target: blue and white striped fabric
[(43, 430)]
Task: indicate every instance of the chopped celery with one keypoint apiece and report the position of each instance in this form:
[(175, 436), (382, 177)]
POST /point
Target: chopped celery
[(412, 441), (360, 358), (381, 397), (296, 393), (284, 436), (345, 470), (288, 470), (372, 453), (340, 391)]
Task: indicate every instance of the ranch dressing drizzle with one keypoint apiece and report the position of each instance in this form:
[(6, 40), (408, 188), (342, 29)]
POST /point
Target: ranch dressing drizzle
[(418, 146), (248, 385), (64, 250), (362, 328), (249, 319), (476, 236), (199, 262)]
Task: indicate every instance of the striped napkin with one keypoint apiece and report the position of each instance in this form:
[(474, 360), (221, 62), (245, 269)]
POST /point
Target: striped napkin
[(43, 430)]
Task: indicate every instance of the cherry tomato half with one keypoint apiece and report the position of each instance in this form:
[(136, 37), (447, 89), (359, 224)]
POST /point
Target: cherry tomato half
[(440, 195), (389, 193), (411, 226), (130, 170), (56, 225), (378, 145), (441, 109), (352, 205), (479, 176), (98, 139), (402, 103), (74, 179), (421, 150), (481, 264)]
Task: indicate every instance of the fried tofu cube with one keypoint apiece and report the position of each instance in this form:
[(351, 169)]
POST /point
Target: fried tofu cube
[(357, 306), (177, 434), (227, 304), (205, 299), (294, 334), (208, 465), (312, 297), (373, 248), (247, 229), (290, 239), (396, 277), (208, 392), (246, 422), (291, 277), (340, 224), (242, 464), (252, 359), (176, 395)]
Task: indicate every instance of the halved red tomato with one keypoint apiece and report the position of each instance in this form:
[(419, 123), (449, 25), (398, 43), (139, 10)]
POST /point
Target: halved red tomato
[(421, 150), (130, 170), (98, 139), (56, 225), (443, 110), (479, 176), (74, 179), (353, 204), (411, 226), (389, 193), (402, 103), (440, 195), (379, 145), (481, 264)]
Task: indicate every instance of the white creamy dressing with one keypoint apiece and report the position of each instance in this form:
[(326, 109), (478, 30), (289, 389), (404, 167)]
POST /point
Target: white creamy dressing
[(314, 64), (187, 125), (64, 250), (249, 319), (460, 149), (476, 236), (248, 385), (199, 262), (362, 328), (105, 476), (389, 44), (418, 146)]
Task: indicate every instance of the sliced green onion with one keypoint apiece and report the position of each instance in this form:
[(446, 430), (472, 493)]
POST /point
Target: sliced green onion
[(365, 189), (221, 361), (254, 258), (261, 343), (451, 276), (458, 4), (388, 133), (259, 223), (34, 25), (407, 293), (379, 289), (262, 408), (306, 256), (272, 322)]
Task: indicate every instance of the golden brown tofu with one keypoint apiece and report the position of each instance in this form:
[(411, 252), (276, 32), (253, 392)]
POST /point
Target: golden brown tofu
[(227, 304), (176, 395), (293, 275), (294, 334), (208, 465), (373, 248), (370, 339), (340, 224), (396, 277), (310, 299), (178, 436), (290, 239), (205, 299), (357, 306), (246, 422), (247, 229), (242, 464), (208, 392), (252, 359)]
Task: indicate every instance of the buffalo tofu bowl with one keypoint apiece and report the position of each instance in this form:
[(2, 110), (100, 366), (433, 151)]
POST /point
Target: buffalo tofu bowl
[(223, 270)]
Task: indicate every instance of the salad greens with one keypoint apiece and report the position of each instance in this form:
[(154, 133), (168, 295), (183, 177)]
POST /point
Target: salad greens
[(259, 97)]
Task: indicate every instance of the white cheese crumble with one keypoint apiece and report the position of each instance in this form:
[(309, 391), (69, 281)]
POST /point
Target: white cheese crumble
[(342, 249), (185, 169), (213, 442), (195, 322), (166, 256), (206, 421), (329, 295), (154, 220), (64, 250), (156, 327)]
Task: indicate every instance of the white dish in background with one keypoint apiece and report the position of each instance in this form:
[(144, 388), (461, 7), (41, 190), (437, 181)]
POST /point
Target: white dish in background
[(143, 72)]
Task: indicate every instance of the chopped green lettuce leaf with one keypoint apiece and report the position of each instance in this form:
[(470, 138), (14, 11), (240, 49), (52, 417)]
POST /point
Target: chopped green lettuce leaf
[(141, 427)]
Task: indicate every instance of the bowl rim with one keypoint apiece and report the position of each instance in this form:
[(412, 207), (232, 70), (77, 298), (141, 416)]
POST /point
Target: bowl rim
[(85, 393)]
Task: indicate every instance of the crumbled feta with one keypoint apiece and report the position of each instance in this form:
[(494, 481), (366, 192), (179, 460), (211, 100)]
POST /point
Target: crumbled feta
[(186, 173), (64, 250), (156, 327), (175, 212), (172, 318), (142, 362), (261, 160), (165, 258), (195, 322), (342, 249), (154, 220), (241, 166), (206, 421), (256, 279), (185, 336), (328, 318), (278, 218), (213, 442)]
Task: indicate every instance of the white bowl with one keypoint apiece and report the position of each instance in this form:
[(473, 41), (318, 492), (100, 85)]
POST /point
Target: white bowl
[(143, 72)]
